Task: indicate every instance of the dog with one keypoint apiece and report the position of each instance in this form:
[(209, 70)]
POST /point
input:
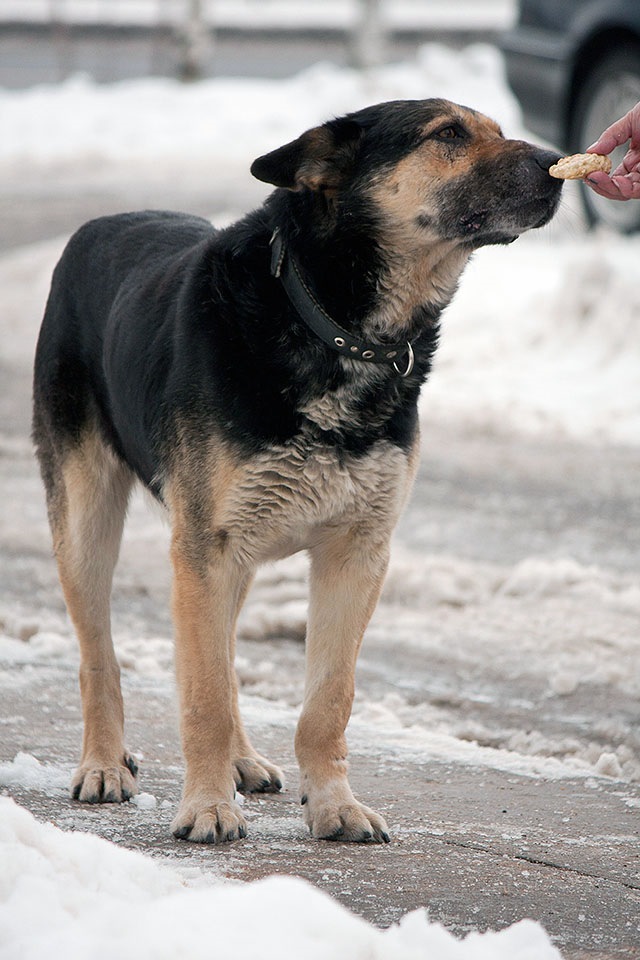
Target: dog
[(262, 382)]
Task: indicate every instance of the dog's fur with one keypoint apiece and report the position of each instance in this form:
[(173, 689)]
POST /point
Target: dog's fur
[(170, 354)]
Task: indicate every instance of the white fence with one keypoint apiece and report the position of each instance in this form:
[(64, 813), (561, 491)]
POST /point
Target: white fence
[(280, 14), (192, 24)]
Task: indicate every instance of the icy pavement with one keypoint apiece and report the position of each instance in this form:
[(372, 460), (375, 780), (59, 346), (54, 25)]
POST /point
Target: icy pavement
[(496, 719), (481, 847)]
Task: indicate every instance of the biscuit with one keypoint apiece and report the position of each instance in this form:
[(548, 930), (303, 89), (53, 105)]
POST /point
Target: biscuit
[(579, 165)]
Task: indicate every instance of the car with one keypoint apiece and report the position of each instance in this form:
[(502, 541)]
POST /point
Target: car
[(574, 66)]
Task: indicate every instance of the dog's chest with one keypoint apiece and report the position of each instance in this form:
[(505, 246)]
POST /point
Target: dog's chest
[(284, 496), (342, 409)]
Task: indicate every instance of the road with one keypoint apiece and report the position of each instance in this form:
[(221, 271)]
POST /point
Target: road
[(481, 844)]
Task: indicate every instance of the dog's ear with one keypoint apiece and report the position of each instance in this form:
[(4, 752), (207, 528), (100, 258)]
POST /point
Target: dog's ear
[(321, 159)]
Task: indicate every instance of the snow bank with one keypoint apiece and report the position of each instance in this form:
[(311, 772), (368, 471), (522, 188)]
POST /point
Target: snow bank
[(545, 336), (75, 895), (227, 121)]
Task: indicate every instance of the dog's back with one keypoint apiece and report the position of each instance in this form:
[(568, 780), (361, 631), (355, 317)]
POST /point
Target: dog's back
[(137, 263)]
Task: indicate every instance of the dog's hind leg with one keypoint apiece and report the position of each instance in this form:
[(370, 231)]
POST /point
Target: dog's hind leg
[(252, 772), (347, 571), (87, 493)]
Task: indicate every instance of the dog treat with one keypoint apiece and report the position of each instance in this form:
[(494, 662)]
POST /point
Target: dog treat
[(579, 165)]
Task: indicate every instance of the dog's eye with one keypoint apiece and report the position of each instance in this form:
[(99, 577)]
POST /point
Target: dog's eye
[(451, 132)]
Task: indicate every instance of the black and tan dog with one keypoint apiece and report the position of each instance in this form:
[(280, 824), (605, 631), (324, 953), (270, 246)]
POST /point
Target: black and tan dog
[(262, 382)]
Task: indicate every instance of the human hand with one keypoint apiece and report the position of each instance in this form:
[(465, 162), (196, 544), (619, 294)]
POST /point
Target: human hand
[(624, 182)]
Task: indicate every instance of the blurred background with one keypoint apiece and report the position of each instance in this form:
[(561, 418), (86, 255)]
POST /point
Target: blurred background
[(107, 105), (48, 40), (573, 67)]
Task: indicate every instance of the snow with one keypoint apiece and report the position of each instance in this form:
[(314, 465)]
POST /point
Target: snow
[(542, 339), (224, 121), (563, 352), (96, 899), (27, 771)]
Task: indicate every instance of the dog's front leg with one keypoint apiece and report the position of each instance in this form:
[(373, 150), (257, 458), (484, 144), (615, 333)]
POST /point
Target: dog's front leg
[(206, 598), (347, 571)]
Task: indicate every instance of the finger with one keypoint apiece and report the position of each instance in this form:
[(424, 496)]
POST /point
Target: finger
[(604, 186), (603, 146), (598, 178), (619, 132), (629, 186), (630, 163)]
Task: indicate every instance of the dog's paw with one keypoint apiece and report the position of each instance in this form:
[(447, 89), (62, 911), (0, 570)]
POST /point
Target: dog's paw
[(215, 822), (333, 813), (95, 782), (257, 775)]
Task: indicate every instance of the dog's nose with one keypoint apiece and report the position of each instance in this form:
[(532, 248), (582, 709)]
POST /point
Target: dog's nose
[(545, 158)]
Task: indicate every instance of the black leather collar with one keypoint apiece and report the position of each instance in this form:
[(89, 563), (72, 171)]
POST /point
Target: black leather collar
[(317, 319)]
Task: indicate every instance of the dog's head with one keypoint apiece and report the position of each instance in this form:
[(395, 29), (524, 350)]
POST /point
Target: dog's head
[(430, 169)]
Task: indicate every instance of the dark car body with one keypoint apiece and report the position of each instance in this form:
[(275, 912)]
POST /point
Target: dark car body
[(574, 65)]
